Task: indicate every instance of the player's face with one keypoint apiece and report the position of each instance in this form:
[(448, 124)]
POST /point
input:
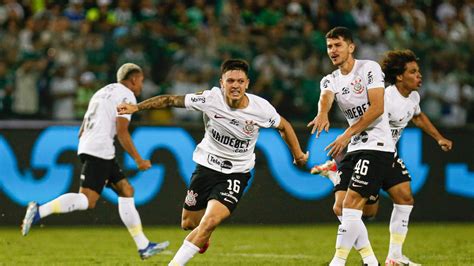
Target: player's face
[(411, 78), (234, 83), (137, 81), (339, 50)]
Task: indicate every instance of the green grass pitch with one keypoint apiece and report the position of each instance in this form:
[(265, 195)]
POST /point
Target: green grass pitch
[(430, 244)]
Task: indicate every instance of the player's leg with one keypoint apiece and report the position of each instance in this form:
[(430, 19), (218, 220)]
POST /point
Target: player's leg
[(398, 187), (365, 182), (131, 219), (222, 193), (92, 181), (191, 219), (216, 212)]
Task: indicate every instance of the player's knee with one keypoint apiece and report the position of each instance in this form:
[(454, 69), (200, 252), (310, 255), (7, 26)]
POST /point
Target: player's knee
[(91, 204), (406, 199), (188, 224), (337, 208)]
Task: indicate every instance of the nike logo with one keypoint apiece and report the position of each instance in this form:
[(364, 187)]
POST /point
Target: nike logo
[(218, 116), (355, 185), (228, 200)]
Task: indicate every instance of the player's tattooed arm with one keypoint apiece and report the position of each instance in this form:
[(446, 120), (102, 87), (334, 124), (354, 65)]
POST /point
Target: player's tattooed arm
[(162, 101)]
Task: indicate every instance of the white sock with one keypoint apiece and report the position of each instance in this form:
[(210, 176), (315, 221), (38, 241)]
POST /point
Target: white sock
[(348, 231), (185, 253), (362, 245), (131, 219), (65, 203), (334, 177), (398, 229)]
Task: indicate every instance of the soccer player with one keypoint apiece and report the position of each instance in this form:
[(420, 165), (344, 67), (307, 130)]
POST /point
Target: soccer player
[(99, 167), (225, 156), (402, 100), (358, 88)]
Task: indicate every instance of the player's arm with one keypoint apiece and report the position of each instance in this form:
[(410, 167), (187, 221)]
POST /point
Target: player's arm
[(422, 121), (288, 134), (376, 109), (321, 120), (157, 102), (126, 141)]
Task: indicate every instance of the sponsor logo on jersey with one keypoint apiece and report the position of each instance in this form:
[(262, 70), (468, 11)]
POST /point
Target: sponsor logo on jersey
[(239, 145), (345, 91), (191, 198), (201, 99), (361, 137), (249, 127), (216, 116), (271, 121), (214, 160), (357, 86), (356, 112), (370, 78), (325, 83), (234, 122)]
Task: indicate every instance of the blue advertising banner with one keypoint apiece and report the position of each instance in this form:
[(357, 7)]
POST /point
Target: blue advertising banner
[(40, 164)]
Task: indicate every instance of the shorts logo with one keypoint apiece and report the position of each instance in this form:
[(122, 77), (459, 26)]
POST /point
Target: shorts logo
[(191, 198), (249, 127)]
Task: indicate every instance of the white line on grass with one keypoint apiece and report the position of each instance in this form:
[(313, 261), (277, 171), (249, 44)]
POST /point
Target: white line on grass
[(268, 255)]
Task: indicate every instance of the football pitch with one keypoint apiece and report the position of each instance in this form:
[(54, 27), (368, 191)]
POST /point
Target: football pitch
[(429, 244)]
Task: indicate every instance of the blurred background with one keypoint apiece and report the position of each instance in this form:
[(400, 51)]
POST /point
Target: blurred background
[(55, 54)]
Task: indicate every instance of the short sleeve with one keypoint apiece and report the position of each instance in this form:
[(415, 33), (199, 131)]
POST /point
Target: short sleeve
[(130, 99), (417, 101), (374, 75), (274, 118), (327, 84), (200, 101)]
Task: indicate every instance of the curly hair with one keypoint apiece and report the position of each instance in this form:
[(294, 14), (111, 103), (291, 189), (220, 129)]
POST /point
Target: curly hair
[(394, 63)]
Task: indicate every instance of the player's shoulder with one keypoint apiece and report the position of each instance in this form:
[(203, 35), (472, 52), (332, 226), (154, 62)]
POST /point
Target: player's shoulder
[(414, 96), (329, 79), (258, 100), (368, 65)]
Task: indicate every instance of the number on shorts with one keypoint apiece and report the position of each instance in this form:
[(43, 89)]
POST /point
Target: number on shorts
[(234, 186), (362, 166)]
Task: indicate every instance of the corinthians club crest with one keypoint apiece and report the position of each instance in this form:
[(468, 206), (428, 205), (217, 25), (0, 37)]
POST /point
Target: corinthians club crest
[(357, 85), (249, 127), (191, 198)]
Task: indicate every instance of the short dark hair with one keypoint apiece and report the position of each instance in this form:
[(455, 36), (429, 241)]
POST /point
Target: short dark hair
[(235, 64), (394, 63), (343, 32)]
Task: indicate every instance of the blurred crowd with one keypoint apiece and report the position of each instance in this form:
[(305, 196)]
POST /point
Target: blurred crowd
[(55, 54)]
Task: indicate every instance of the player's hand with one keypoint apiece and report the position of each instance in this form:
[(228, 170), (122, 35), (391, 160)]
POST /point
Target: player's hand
[(445, 144), (338, 146), (125, 108), (319, 123), (143, 164), (302, 159)]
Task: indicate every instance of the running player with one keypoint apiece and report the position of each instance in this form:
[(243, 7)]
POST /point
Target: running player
[(225, 156), (99, 167)]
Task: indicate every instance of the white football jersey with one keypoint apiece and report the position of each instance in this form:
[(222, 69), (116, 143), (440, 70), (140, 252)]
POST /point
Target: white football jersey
[(230, 134), (99, 123), (351, 94), (400, 110)]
